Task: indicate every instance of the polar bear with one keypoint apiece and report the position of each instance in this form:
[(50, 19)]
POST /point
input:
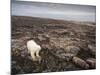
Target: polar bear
[(34, 49)]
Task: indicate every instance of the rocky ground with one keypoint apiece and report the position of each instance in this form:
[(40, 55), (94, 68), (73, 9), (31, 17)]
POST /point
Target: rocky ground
[(66, 45)]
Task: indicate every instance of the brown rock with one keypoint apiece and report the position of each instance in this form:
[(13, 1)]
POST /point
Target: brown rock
[(80, 62), (91, 62)]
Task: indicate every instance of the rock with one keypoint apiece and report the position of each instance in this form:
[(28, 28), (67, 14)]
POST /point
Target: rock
[(66, 56), (80, 62), (91, 62), (61, 54), (16, 69), (72, 49), (92, 49)]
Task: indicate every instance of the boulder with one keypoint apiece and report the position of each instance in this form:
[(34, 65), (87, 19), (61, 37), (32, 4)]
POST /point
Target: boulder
[(80, 62), (91, 62)]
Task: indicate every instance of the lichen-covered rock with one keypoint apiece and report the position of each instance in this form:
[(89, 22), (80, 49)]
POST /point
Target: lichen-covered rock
[(80, 62), (91, 62)]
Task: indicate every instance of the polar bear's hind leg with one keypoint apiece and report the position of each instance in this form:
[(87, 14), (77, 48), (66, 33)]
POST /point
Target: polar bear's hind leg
[(37, 55)]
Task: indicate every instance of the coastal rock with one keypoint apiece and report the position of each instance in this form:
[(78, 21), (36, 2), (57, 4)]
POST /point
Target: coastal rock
[(91, 62), (80, 62)]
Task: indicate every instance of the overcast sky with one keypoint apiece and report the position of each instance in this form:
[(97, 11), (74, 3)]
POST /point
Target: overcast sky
[(53, 10)]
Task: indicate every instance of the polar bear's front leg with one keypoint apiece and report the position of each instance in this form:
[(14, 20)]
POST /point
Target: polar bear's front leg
[(33, 56)]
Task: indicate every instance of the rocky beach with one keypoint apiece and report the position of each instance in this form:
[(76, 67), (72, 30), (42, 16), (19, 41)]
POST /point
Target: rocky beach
[(66, 45)]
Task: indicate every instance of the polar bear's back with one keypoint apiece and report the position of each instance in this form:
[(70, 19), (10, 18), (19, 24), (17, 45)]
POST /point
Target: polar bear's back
[(33, 46)]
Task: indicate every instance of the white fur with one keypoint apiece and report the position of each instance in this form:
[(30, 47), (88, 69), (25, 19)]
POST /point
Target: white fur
[(34, 49)]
